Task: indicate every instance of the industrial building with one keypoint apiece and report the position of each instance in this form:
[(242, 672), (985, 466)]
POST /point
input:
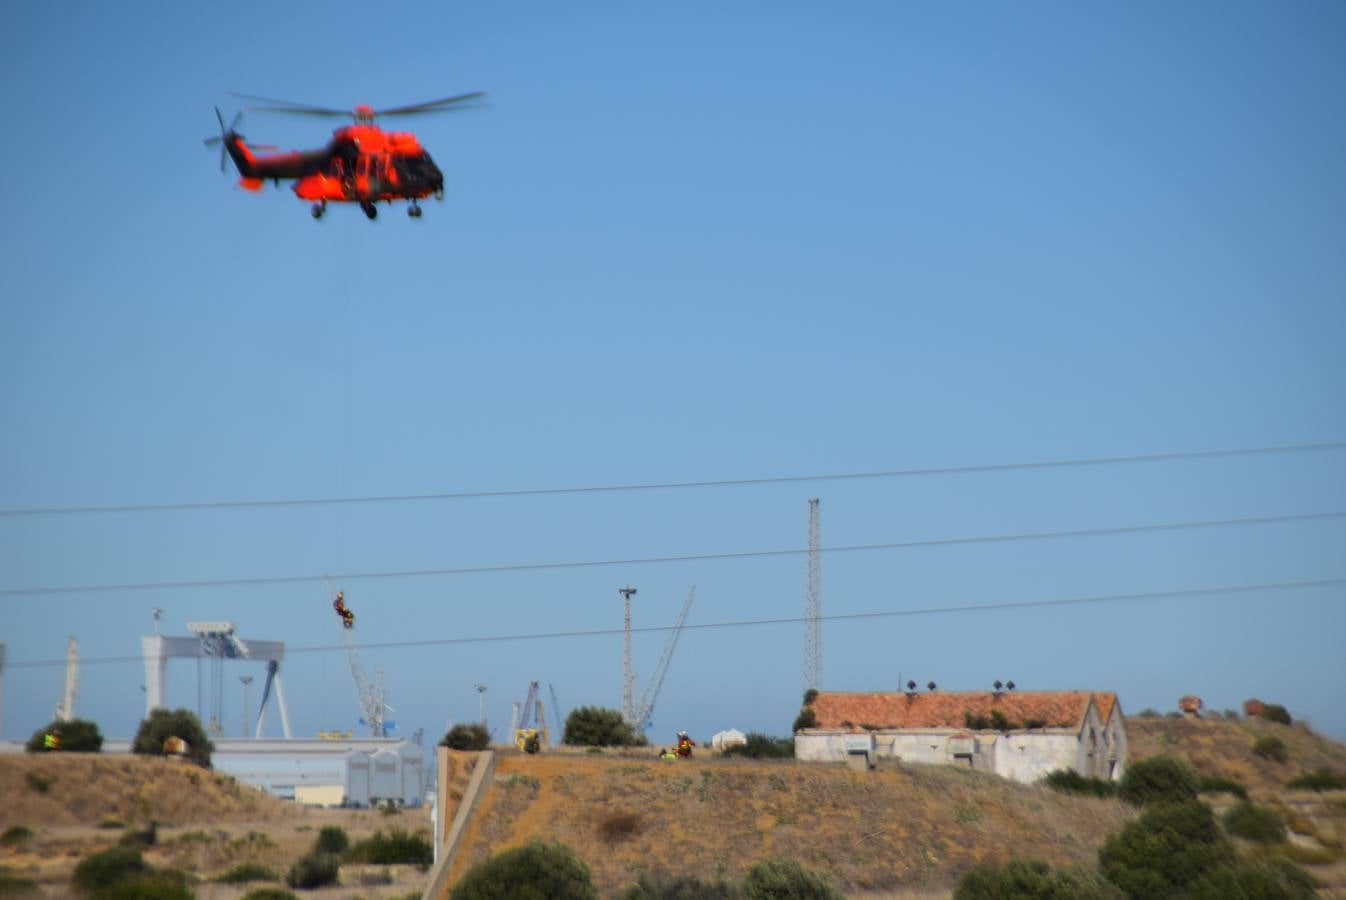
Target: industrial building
[(328, 772)]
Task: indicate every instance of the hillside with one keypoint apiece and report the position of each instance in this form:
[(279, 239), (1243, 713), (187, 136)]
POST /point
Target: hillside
[(79, 803), (1224, 748), (897, 828)]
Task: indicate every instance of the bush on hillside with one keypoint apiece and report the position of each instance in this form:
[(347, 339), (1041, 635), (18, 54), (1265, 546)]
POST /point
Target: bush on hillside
[(108, 867), (1029, 879), (244, 873), (780, 878), (679, 887), (143, 837), (331, 839), (1215, 784), (398, 847), (1255, 823), (74, 736), (763, 746), (1068, 781), (16, 887), (467, 736), (1159, 779), (314, 870), (1271, 747), (535, 871), (1275, 879), (156, 885), (16, 835), (1170, 846), (1318, 780), (180, 723), (1274, 712), (595, 726)]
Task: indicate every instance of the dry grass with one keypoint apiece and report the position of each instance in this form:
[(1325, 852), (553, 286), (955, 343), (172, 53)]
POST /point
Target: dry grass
[(894, 832), (208, 823)]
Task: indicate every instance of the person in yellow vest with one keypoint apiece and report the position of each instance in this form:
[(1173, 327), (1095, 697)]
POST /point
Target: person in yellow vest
[(51, 741), (666, 753), (685, 745)]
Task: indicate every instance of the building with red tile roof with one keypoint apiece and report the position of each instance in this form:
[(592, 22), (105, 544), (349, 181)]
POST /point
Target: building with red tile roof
[(1017, 734)]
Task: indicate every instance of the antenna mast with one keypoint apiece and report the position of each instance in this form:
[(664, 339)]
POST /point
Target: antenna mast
[(813, 629), (628, 677), (65, 711)]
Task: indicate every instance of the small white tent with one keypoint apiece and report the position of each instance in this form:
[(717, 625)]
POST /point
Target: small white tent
[(731, 738)]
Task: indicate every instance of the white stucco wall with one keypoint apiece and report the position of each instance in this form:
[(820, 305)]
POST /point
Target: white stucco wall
[(1021, 755)]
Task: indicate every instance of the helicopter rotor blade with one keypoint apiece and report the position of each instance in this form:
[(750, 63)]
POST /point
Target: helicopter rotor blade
[(441, 105), (291, 106)]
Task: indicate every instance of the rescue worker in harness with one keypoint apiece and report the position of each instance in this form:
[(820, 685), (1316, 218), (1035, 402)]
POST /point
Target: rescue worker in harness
[(685, 745), (347, 617)]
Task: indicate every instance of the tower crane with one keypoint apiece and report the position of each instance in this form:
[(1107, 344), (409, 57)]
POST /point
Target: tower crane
[(640, 719), (370, 694)]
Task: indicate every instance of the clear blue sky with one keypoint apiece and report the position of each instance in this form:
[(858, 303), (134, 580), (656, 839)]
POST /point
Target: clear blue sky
[(689, 243)]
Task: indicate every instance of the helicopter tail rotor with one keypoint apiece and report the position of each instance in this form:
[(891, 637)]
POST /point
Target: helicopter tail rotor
[(225, 132)]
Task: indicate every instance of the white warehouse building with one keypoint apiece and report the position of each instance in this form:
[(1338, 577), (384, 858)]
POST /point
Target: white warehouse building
[(328, 772)]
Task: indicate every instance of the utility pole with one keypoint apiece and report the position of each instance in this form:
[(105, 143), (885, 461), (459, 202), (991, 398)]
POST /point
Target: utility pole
[(247, 680), (481, 702), (628, 677), (813, 629)]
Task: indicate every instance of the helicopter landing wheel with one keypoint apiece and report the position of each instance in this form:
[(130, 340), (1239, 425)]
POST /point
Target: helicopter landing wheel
[(318, 209), (414, 210), (371, 211)]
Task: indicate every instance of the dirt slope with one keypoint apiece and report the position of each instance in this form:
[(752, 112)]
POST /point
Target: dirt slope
[(896, 828)]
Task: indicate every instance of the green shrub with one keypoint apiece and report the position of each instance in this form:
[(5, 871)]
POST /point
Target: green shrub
[(112, 824), (108, 867), (1027, 879), (16, 835), (397, 847), (246, 872), (762, 746), (1275, 879), (680, 887), (273, 894), (1068, 781), (1318, 780), (594, 726), (39, 783), (785, 878), (535, 871), (181, 723), (810, 695), (314, 870), (1158, 779), (1170, 846), (1271, 747), (155, 885), (1274, 712), (16, 887), (1214, 784), (75, 736), (1255, 823), (806, 719), (332, 839), (467, 736)]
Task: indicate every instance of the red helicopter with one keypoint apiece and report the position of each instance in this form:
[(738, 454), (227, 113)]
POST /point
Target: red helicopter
[(361, 164)]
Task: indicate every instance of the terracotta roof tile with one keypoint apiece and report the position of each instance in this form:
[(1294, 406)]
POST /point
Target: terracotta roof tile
[(947, 709), (1107, 702)]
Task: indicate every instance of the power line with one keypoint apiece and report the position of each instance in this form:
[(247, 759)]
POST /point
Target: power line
[(699, 557), (668, 485), (755, 623)]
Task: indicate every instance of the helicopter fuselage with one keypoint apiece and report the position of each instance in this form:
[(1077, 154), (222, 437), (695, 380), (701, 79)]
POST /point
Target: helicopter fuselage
[(362, 164)]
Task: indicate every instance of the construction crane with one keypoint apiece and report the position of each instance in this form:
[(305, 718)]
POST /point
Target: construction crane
[(530, 726), (65, 710), (370, 694), (813, 613), (640, 718)]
